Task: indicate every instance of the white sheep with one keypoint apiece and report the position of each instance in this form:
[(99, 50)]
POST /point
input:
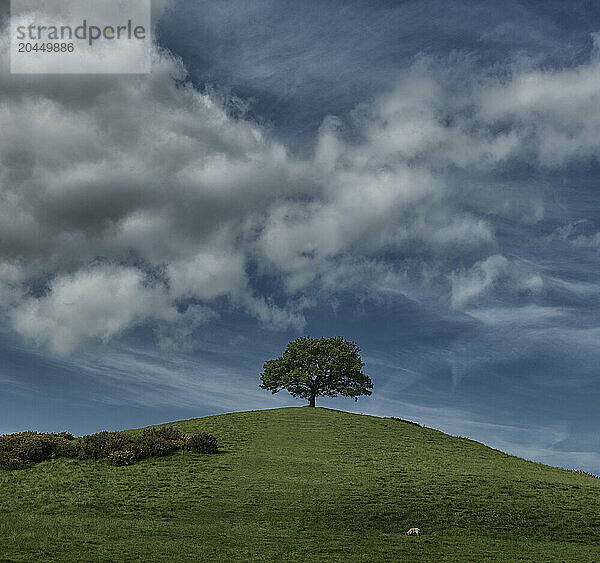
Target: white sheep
[(414, 532)]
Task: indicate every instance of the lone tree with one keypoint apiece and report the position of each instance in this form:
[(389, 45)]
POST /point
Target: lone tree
[(324, 367)]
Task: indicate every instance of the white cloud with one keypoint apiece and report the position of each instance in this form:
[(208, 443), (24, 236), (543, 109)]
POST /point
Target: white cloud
[(579, 233), (467, 286), (106, 166), (554, 113), (178, 335), (519, 316), (149, 173), (493, 273), (93, 304), (207, 275)]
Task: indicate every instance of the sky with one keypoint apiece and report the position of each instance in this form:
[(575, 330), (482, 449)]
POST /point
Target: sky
[(420, 177)]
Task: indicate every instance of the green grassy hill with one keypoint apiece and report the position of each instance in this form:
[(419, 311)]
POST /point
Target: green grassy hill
[(301, 484)]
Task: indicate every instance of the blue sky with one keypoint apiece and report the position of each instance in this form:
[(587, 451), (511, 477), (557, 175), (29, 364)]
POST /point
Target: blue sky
[(418, 176)]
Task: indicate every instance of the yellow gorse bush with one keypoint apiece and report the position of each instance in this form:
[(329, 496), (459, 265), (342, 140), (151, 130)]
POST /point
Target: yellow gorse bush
[(17, 451)]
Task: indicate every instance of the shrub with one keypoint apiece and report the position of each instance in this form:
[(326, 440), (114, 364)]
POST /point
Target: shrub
[(20, 449), (93, 446), (65, 448), (33, 447), (122, 457), (159, 441), (102, 444), (149, 442), (202, 443), (66, 435), (166, 432), (11, 462)]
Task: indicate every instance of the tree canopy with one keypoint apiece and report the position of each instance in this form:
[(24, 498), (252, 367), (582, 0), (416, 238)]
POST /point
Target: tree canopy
[(323, 367)]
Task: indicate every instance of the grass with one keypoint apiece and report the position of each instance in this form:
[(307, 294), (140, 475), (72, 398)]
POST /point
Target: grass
[(301, 484)]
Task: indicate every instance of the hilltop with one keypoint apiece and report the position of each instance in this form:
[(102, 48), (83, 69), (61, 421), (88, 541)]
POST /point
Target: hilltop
[(302, 484)]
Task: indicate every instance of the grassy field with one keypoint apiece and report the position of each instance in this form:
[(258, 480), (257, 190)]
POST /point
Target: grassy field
[(301, 484)]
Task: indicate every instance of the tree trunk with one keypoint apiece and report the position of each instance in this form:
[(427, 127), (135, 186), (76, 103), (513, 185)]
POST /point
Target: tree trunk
[(312, 401)]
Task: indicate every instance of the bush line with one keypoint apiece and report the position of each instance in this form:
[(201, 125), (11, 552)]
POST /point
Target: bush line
[(23, 449)]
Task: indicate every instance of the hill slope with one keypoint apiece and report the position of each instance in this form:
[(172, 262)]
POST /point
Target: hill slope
[(303, 484)]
